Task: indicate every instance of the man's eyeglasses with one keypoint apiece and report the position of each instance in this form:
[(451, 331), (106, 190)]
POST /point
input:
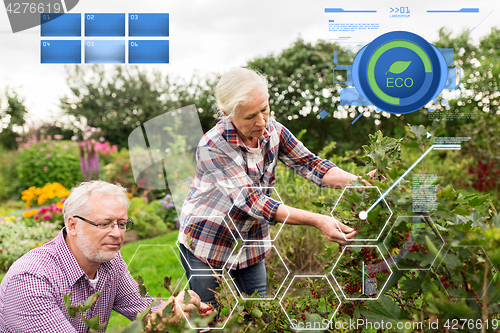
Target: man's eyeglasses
[(123, 225)]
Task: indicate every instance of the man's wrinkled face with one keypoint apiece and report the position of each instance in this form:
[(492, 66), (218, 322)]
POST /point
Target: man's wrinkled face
[(95, 243)]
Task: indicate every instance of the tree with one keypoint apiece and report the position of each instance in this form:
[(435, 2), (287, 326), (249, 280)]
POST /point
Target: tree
[(13, 115)]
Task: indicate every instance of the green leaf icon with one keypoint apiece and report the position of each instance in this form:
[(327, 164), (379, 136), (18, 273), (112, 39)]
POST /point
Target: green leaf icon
[(399, 66)]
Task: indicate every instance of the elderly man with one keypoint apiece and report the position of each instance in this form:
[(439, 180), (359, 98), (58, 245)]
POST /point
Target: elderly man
[(84, 258)]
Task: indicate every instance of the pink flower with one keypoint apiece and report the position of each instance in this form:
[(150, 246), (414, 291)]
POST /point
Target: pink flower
[(52, 207), (49, 137), (43, 210), (101, 139), (47, 216), (62, 201), (45, 168), (114, 147), (64, 146), (37, 217), (47, 156), (42, 149)]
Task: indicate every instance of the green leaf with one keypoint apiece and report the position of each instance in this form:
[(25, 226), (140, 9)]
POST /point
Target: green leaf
[(167, 310), (398, 66), (237, 245), (135, 327), (142, 287), (385, 308), (92, 322), (187, 297), (90, 302), (256, 313)]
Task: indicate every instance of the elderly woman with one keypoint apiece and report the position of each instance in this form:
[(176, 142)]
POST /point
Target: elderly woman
[(231, 194)]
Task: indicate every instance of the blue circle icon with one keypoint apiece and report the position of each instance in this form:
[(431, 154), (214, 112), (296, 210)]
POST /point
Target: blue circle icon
[(399, 72)]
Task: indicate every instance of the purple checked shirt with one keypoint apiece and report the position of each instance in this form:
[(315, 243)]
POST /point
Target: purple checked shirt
[(31, 291)]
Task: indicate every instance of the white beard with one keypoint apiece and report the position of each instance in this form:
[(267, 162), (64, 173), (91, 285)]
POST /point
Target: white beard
[(84, 244)]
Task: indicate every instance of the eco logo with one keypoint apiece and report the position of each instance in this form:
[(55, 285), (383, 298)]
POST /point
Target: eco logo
[(399, 72)]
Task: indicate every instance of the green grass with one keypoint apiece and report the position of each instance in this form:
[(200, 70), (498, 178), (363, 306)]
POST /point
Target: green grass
[(152, 259)]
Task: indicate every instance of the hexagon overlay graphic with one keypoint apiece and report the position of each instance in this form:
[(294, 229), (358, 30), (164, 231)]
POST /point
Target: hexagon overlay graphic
[(361, 272), (356, 199), (407, 240), (207, 221), (241, 229), (461, 272), (303, 311), (165, 262), (224, 313), (248, 248)]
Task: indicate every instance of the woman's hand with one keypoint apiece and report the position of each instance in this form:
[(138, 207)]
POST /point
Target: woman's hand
[(330, 228)]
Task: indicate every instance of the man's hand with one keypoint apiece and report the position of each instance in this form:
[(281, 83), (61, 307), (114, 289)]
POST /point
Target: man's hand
[(178, 307), (194, 303), (328, 226)]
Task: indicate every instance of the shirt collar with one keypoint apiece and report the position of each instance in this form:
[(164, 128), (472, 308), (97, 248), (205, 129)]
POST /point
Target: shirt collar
[(228, 132), (69, 264)]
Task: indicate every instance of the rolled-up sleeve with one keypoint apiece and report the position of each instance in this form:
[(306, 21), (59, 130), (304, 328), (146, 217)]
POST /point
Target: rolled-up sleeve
[(297, 157), (128, 300)]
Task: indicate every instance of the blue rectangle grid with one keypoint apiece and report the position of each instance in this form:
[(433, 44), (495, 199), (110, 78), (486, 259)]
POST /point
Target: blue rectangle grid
[(61, 51), (148, 25), (61, 25), (104, 51), (462, 10), (104, 25), (340, 10), (148, 52)]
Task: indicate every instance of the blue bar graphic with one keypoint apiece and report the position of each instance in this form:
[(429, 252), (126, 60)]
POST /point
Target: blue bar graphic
[(148, 52), (104, 25), (61, 51), (331, 21), (463, 10), (148, 25), (340, 10), (105, 51), (61, 25)]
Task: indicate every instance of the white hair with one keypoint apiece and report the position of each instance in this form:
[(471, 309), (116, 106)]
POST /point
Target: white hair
[(234, 87), (78, 202)]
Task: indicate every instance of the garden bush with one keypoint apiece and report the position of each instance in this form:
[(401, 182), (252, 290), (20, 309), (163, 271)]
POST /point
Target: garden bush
[(47, 160), (460, 290), (8, 173), (152, 219)]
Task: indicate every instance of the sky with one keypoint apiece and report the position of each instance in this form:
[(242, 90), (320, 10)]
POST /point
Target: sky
[(211, 36)]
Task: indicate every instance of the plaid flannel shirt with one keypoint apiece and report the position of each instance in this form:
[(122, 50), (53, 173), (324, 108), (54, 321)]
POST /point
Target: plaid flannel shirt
[(233, 183), (31, 291)]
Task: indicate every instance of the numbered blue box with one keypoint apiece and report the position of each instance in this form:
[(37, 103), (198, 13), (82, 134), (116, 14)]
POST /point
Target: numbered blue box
[(104, 25), (148, 52), (61, 25), (148, 25), (61, 51), (105, 51)]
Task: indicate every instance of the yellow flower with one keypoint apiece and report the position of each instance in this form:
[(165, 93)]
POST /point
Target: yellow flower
[(12, 217), (59, 205), (176, 175), (129, 195), (160, 175), (395, 251), (27, 214), (7, 219)]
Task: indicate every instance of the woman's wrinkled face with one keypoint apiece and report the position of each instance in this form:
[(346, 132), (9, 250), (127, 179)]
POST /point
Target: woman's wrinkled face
[(251, 117)]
